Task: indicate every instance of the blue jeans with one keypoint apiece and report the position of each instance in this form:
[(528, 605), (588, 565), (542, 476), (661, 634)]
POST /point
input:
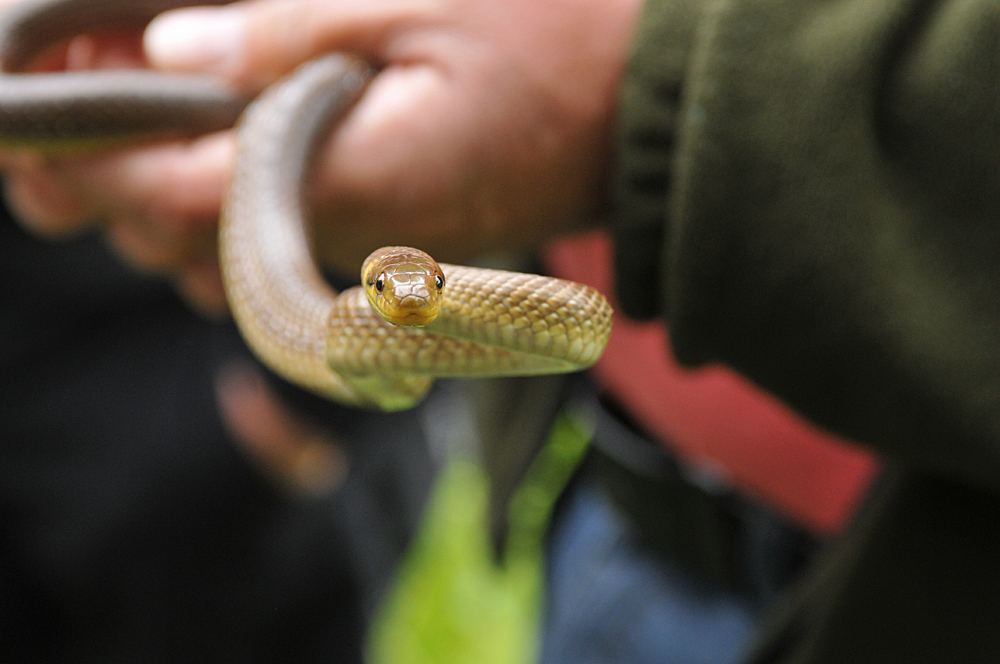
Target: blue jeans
[(610, 600)]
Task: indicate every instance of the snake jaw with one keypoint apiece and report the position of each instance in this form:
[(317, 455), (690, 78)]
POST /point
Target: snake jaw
[(413, 320)]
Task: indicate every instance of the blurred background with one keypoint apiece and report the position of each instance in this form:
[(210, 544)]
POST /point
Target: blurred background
[(164, 498)]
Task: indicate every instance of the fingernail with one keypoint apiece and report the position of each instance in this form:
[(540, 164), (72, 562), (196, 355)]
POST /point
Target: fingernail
[(199, 39)]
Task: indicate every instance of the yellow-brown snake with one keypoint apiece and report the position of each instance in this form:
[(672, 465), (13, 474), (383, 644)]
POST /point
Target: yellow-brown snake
[(491, 322)]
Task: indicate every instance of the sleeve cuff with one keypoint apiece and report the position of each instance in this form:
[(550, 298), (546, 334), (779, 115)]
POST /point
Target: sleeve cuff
[(651, 93)]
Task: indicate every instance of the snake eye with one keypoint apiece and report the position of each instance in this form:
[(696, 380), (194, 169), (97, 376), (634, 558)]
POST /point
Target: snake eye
[(439, 281), (380, 283)]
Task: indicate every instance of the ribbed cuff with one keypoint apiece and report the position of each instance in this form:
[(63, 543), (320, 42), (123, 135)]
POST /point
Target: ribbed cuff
[(645, 140)]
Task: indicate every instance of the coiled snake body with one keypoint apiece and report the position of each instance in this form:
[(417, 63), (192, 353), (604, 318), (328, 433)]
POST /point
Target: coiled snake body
[(491, 322)]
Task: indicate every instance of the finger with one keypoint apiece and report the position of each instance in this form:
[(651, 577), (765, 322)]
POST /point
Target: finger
[(200, 284), (44, 202), (176, 187), (176, 181), (295, 455), (189, 260), (154, 245), (257, 42), (109, 51)]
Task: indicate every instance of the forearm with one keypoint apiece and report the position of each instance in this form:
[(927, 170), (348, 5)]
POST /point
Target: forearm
[(825, 224)]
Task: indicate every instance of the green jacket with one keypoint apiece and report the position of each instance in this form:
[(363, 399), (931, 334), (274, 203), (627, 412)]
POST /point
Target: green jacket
[(809, 192)]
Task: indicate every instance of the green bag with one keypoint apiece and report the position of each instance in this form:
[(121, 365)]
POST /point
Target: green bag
[(452, 603)]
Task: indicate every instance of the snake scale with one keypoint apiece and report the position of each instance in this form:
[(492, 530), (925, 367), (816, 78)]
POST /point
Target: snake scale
[(491, 322)]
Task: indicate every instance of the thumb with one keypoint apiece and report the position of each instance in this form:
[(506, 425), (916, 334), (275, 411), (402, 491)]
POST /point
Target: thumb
[(255, 42)]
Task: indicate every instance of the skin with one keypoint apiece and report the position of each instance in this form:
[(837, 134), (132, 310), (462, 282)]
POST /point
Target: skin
[(488, 128)]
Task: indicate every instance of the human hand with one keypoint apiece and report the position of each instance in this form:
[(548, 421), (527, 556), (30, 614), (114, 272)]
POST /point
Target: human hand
[(121, 191), (487, 128)]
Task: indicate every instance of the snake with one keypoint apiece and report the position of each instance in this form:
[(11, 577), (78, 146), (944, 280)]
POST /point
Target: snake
[(378, 345)]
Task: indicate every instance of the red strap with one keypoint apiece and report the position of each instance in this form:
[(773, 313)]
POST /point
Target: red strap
[(714, 418)]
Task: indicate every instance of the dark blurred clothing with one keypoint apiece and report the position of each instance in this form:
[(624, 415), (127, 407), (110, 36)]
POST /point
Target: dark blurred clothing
[(654, 560), (132, 528), (806, 191)]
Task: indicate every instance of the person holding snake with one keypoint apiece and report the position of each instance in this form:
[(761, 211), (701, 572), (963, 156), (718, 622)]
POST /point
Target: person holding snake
[(802, 191)]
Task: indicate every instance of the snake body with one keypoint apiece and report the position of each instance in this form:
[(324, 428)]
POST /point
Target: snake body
[(491, 322), (62, 111)]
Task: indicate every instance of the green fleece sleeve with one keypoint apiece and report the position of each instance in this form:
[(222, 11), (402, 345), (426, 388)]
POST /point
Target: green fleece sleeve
[(646, 138), (811, 192)]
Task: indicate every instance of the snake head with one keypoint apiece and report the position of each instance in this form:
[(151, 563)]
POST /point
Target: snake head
[(403, 285)]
